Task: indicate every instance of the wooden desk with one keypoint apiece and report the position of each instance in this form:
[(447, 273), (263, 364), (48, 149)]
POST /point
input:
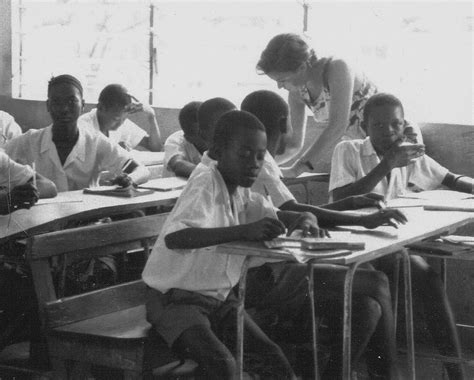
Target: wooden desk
[(51, 214), (379, 242)]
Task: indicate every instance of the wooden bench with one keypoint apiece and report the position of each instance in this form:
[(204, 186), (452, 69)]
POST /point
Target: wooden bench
[(105, 327)]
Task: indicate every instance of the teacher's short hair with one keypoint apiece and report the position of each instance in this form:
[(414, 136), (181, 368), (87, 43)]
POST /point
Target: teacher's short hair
[(285, 52)]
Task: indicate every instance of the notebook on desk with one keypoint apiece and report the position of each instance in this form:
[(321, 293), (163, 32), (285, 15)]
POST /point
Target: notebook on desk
[(117, 191), (314, 244), (165, 184)]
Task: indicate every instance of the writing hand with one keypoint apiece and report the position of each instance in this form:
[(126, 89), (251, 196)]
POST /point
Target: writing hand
[(264, 229), (24, 196), (122, 180), (308, 224)]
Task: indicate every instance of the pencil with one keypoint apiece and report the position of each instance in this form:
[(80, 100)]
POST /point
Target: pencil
[(381, 205), (33, 166)]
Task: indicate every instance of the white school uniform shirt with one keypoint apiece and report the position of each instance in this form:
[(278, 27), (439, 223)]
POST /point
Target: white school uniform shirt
[(92, 154), (13, 174), (8, 128), (204, 203), (354, 159), (129, 133), (268, 182), (177, 145)]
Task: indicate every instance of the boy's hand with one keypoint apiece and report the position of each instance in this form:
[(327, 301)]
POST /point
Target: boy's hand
[(402, 154), (122, 180), (24, 196), (140, 107), (125, 146), (366, 200), (308, 224), (385, 217), (264, 229)]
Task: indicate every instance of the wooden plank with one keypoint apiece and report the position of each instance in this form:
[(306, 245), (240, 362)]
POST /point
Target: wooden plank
[(94, 236), (89, 305)]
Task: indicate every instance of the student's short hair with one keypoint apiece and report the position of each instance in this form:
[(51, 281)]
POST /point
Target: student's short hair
[(232, 124), (115, 96), (65, 78), (268, 106), (188, 115), (377, 100), (208, 110)]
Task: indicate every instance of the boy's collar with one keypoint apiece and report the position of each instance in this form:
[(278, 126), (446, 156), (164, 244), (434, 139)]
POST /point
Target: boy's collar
[(368, 148)]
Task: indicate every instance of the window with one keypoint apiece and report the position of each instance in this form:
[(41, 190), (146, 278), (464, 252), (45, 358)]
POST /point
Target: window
[(420, 51)]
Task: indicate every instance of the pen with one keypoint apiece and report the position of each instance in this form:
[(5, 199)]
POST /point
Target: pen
[(381, 205), (33, 166)]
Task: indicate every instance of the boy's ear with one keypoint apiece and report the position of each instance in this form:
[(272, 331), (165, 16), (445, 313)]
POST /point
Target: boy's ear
[(363, 125), (47, 105)]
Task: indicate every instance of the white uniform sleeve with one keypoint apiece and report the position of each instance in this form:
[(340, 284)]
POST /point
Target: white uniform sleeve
[(343, 171), (426, 173), (174, 146), (12, 173)]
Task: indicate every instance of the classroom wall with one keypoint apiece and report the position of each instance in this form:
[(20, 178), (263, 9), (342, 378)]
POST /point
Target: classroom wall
[(33, 114)]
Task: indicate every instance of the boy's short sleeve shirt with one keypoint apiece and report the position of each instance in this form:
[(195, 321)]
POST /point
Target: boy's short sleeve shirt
[(269, 182), (8, 128), (204, 203), (13, 174), (128, 133), (177, 145), (354, 159), (92, 154)]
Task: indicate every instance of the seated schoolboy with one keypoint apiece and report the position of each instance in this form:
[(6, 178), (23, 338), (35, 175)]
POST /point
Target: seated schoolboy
[(17, 189), (370, 286), (111, 118), (386, 164), (69, 156), (191, 301), (8, 128), (183, 149)]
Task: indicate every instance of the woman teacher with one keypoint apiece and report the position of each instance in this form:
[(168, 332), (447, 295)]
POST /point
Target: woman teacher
[(328, 86)]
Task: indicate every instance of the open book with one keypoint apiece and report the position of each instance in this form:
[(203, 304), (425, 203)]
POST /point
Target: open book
[(117, 191), (165, 184)]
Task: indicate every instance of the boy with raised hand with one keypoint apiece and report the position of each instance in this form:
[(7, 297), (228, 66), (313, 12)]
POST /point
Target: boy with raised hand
[(385, 163), (17, 187), (184, 149), (69, 156), (191, 301), (111, 118)]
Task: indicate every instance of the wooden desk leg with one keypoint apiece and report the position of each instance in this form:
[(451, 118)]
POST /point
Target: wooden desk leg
[(240, 319), (409, 313), (347, 319), (313, 319)]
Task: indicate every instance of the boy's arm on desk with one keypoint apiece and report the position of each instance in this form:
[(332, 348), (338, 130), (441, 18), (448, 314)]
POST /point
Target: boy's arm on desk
[(190, 238)]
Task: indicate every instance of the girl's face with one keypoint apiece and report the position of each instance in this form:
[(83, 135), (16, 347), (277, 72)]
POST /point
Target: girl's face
[(290, 80)]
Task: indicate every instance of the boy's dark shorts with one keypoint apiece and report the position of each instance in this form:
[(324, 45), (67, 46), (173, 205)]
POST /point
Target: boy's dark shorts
[(177, 310)]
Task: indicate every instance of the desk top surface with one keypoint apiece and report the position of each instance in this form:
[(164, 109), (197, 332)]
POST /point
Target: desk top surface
[(75, 205), (379, 242)]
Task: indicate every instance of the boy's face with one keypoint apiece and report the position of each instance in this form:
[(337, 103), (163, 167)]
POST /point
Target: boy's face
[(64, 104), (111, 118), (385, 126), (241, 160)]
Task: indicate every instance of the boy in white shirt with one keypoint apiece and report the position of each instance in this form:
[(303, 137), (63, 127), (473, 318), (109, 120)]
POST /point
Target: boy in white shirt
[(111, 118), (69, 156), (17, 189), (385, 163), (8, 128), (191, 301), (183, 149)]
